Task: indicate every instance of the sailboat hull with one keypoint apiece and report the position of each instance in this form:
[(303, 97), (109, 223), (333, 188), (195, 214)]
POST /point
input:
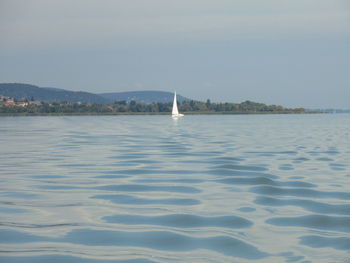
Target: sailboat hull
[(175, 116)]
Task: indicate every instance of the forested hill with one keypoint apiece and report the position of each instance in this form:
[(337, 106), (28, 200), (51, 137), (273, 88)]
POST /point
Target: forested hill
[(147, 96), (31, 92)]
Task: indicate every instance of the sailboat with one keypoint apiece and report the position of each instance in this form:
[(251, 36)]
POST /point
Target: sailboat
[(175, 112)]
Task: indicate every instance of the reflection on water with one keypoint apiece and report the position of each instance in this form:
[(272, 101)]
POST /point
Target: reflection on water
[(134, 189)]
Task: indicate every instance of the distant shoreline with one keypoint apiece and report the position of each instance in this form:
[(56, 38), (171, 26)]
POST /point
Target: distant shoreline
[(150, 113)]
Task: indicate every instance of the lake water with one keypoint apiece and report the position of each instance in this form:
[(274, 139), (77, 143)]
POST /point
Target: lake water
[(220, 188)]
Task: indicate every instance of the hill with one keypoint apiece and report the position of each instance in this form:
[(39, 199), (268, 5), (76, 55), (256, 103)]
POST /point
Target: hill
[(147, 96), (27, 91)]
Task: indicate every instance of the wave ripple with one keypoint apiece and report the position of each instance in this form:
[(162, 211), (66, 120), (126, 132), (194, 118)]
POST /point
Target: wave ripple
[(141, 189)]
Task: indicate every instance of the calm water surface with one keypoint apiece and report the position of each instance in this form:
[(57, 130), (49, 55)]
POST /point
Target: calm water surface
[(272, 188)]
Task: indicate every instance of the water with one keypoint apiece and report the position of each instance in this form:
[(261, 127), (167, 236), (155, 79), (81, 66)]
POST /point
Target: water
[(267, 188)]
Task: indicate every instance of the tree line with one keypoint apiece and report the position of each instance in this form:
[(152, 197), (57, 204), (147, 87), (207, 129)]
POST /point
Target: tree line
[(120, 107)]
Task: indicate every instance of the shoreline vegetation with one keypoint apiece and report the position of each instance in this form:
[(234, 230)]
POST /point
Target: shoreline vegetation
[(33, 108)]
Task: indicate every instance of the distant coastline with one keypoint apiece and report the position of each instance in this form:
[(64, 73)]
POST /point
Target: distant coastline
[(140, 114), (121, 108), (28, 100), (12, 107)]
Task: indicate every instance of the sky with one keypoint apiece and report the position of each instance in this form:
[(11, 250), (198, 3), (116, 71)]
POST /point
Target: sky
[(294, 53)]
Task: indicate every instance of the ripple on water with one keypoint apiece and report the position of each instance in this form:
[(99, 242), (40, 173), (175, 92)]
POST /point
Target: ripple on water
[(184, 180), (133, 200), (248, 181), (324, 159), (58, 187), (237, 167), (291, 257), (21, 195), (202, 154), (337, 166), (22, 225), (227, 172), (297, 184), (286, 167), (323, 222), (309, 205), (340, 243), (246, 209), (10, 210), (301, 159), (13, 237), (111, 176), (223, 160), (128, 156), (153, 172), (271, 190), (181, 220), (66, 259), (159, 240), (48, 176), (164, 240), (228, 159), (323, 152), (264, 181), (272, 153), (149, 188)]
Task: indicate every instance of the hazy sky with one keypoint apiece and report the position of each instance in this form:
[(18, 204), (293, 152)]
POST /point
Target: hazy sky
[(288, 52)]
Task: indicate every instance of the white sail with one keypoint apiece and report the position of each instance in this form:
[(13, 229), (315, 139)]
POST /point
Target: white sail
[(175, 112)]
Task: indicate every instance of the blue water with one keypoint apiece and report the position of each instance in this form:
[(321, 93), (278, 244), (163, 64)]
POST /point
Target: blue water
[(224, 188)]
